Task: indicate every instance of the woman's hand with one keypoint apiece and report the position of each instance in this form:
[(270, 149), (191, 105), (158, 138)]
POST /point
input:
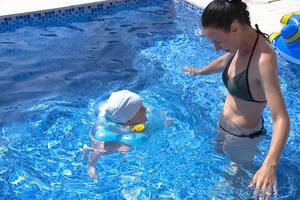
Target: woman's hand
[(264, 182), (169, 121), (191, 71)]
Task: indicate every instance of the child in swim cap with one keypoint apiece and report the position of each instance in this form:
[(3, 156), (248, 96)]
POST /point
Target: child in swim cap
[(123, 108)]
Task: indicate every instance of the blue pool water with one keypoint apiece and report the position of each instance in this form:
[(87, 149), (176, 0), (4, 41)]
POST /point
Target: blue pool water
[(52, 78)]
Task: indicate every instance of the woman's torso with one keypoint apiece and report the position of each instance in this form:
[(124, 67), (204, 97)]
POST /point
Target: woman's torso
[(246, 113)]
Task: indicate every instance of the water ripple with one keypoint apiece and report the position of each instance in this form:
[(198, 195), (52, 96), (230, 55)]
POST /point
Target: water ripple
[(51, 80)]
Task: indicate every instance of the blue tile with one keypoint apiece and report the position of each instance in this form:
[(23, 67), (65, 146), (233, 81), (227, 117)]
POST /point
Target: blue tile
[(81, 13)]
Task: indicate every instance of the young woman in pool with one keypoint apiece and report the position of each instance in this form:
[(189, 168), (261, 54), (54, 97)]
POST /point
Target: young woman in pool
[(250, 75)]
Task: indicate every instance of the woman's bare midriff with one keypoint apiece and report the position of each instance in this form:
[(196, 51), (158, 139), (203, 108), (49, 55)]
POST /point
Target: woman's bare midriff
[(242, 113)]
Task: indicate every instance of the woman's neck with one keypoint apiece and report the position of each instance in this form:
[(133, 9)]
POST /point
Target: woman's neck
[(248, 37)]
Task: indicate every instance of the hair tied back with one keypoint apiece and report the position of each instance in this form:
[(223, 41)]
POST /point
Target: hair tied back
[(234, 1)]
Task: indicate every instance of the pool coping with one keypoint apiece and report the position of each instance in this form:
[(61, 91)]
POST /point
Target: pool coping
[(64, 15), (32, 6), (265, 13)]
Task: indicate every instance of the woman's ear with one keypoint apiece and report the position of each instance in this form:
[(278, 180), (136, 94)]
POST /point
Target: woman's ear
[(235, 27)]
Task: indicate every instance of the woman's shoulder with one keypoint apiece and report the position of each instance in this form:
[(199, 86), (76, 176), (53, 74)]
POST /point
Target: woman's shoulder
[(267, 62), (266, 53), (266, 49)]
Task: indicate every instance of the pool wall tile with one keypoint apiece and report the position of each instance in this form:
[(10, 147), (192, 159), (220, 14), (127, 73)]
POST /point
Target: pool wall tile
[(79, 13)]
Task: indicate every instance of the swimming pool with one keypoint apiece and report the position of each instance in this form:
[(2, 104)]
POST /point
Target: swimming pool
[(53, 75)]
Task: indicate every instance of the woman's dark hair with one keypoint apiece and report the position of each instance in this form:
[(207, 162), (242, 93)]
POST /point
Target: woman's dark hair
[(221, 13)]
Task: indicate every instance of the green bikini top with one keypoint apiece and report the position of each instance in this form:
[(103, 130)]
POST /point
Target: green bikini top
[(238, 86)]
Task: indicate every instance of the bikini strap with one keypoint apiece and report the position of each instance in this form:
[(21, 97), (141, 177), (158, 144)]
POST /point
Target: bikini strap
[(225, 72), (257, 29), (252, 52), (229, 61), (247, 69), (265, 35)]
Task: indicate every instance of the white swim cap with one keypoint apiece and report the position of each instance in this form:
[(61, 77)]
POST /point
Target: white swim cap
[(122, 106)]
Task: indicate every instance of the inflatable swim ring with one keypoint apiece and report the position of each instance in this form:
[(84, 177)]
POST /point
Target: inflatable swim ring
[(287, 42)]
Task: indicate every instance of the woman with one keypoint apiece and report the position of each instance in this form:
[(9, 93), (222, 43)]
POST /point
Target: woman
[(250, 75)]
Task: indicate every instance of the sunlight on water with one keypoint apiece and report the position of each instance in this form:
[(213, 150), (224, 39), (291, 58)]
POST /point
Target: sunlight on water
[(52, 79)]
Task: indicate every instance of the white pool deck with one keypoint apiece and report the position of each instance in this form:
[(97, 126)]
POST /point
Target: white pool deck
[(266, 13)]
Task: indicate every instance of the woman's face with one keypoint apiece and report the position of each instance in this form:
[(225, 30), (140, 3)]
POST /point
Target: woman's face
[(140, 117), (222, 40)]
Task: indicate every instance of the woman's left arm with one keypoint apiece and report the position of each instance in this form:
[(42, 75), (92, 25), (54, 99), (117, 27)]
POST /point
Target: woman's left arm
[(265, 180)]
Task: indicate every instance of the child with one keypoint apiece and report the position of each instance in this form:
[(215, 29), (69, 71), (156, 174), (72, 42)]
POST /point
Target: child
[(120, 125)]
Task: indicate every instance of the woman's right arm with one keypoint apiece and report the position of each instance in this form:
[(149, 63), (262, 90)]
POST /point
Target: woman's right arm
[(215, 66)]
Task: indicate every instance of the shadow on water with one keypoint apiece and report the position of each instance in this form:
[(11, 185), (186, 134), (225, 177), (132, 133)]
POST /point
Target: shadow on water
[(79, 61)]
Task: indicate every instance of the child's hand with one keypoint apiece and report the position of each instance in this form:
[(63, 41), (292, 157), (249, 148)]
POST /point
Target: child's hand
[(84, 149), (123, 149), (169, 121)]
